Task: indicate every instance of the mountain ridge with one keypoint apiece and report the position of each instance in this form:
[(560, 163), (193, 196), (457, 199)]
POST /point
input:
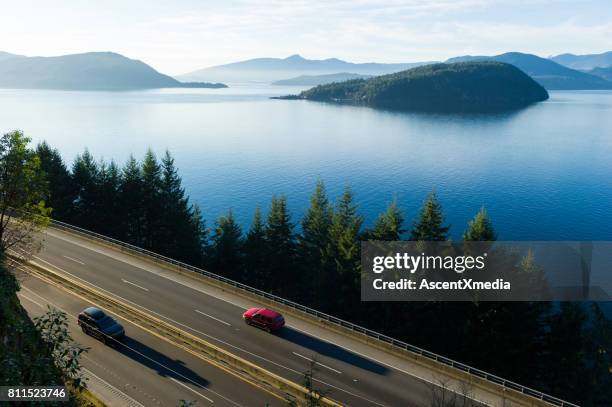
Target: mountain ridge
[(314, 80), (274, 69), (548, 73), (605, 73), (84, 71), (585, 62)]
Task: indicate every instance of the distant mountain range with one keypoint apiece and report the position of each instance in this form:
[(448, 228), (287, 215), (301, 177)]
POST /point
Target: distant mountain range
[(298, 71), (548, 73), (585, 62), (465, 87), (111, 71), (274, 69), (605, 73), (88, 71), (314, 80)]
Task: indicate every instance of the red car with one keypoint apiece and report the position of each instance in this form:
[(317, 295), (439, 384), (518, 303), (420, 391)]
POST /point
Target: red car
[(264, 318)]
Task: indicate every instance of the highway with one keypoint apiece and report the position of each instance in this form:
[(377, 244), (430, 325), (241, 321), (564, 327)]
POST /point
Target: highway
[(353, 373), (144, 370)]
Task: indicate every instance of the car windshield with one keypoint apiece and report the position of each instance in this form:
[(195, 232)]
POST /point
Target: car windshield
[(95, 313), (106, 322)]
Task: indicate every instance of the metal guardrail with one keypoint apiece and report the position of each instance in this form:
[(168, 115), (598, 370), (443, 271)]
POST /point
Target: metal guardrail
[(329, 318)]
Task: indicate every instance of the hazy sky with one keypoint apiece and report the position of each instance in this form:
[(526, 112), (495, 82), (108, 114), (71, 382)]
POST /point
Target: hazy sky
[(178, 36)]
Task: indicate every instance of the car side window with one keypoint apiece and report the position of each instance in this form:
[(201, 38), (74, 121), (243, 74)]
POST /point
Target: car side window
[(90, 322)]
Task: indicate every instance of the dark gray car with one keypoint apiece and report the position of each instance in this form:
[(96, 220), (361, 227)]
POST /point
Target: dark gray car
[(93, 321)]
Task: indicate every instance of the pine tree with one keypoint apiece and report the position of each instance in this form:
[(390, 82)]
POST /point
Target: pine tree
[(343, 257), (429, 226), (171, 183), (61, 189), (480, 228), (565, 360), (388, 226), (256, 270), (313, 240), (107, 204), (599, 356), (151, 193), (131, 202), (281, 247), (517, 327), (227, 247), (198, 242), (175, 216), (85, 175)]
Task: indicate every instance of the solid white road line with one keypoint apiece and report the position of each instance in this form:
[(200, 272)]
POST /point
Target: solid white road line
[(49, 303), (31, 300), (74, 260), (135, 285), (210, 316), (189, 388), (320, 364)]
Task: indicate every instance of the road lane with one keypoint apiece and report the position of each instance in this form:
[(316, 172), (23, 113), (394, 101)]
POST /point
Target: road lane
[(145, 368)]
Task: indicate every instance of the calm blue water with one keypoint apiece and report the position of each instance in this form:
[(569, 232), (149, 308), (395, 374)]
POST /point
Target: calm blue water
[(543, 173)]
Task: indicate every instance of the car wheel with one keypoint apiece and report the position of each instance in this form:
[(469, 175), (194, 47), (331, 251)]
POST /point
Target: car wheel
[(104, 340), (247, 321), (84, 330), (267, 329)]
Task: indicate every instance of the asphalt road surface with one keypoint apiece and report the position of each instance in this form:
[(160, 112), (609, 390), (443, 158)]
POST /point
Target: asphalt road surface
[(353, 374)]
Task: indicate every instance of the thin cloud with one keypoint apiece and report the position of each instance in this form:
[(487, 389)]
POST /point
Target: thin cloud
[(184, 35)]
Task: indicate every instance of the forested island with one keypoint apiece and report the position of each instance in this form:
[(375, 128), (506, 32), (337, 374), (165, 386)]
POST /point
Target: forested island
[(547, 72), (466, 87)]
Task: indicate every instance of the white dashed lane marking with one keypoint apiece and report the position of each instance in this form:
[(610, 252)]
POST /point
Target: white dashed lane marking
[(210, 316), (74, 260), (135, 285), (320, 364)]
